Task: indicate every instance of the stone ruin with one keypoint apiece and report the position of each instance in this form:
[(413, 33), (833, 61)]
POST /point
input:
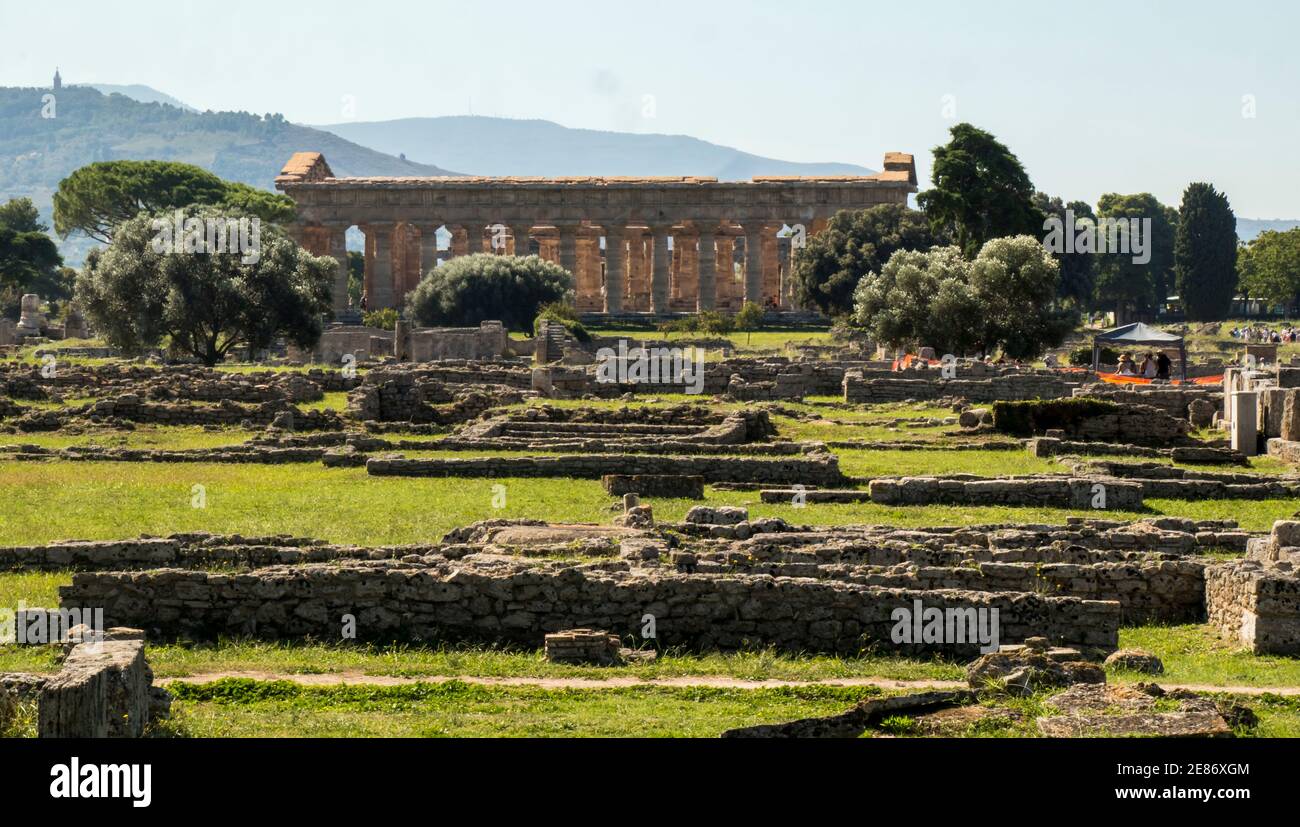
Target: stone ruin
[(104, 688), (31, 323), (718, 580), (1255, 602)]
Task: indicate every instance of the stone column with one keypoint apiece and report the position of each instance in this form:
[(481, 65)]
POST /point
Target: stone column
[(368, 265), (569, 247), (660, 273), (1244, 434), (521, 234), (754, 232), (588, 273), (337, 247), (428, 250), (615, 267), (708, 267), (726, 275), (771, 267), (637, 277), (473, 237), (380, 276), (459, 241)]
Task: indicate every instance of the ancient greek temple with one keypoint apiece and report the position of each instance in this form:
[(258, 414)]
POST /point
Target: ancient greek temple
[(634, 245)]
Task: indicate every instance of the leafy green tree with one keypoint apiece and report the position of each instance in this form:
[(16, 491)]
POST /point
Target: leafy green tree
[(1123, 284), (98, 197), (203, 303), (920, 298), (1015, 281), (748, 319), (1205, 254), (1269, 267), (855, 242), (476, 288), (1004, 299), (356, 276), (980, 191), (29, 260), (1078, 269)]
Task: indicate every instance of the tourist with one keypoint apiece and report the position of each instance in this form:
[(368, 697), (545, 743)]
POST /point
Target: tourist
[(1149, 367)]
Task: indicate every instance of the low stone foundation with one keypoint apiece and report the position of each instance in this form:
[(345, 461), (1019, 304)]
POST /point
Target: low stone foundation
[(1013, 387), (104, 690), (1256, 602), (498, 599), (822, 469), (1255, 606), (1053, 492), (652, 485)]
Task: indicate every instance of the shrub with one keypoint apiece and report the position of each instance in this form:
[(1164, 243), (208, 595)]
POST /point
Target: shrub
[(565, 314), (385, 318), (713, 322), (477, 288), (706, 321), (1037, 416), (1082, 357)]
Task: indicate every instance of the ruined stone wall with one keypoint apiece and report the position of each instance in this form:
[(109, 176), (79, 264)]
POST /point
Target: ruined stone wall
[(487, 341), (1255, 605), (808, 470), (1172, 400), (225, 414), (1015, 387), (187, 551), (1149, 589), (171, 382), (504, 600), (1048, 492)]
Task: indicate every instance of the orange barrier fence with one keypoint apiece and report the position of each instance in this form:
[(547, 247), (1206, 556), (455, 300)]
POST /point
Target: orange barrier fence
[(910, 359), (1118, 379)]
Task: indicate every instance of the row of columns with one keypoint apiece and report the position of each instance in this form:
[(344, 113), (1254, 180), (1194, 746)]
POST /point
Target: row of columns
[(640, 270)]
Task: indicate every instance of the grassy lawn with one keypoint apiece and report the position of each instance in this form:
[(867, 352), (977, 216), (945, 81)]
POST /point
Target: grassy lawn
[(243, 708), (50, 501), (307, 658), (144, 437), (46, 502), (239, 707), (1195, 654), (766, 340)]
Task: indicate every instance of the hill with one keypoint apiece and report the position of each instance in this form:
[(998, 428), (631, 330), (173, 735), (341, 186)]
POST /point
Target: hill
[(36, 151), (141, 93), (502, 146)]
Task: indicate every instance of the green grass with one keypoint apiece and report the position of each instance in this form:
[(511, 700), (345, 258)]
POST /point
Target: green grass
[(332, 401), (1195, 654), (238, 707), (144, 437), (768, 340), (39, 588), (307, 658), (244, 708), (880, 463), (45, 502)]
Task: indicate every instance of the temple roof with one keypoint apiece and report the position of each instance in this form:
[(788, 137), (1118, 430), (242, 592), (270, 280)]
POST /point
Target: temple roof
[(311, 168)]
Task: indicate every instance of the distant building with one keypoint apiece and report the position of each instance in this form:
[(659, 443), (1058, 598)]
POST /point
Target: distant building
[(58, 81)]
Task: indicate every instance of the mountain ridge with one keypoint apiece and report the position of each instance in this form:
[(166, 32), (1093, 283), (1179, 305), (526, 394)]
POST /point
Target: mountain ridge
[(483, 145)]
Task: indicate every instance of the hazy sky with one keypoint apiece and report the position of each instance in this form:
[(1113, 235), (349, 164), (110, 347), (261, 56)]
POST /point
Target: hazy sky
[(1094, 97)]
